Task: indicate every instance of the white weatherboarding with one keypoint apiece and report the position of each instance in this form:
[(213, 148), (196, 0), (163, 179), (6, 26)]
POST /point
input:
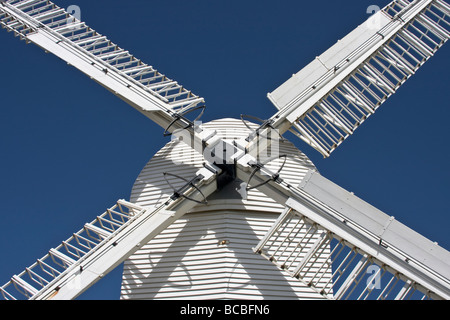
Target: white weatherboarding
[(230, 209)]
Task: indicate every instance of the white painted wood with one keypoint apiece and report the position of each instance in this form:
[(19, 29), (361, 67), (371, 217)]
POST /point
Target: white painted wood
[(390, 244), (207, 254), (324, 103), (310, 74)]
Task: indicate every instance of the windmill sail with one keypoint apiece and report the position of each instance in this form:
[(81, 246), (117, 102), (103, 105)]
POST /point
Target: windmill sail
[(45, 24), (326, 237), (70, 252), (326, 101), (89, 254), (366, 248)]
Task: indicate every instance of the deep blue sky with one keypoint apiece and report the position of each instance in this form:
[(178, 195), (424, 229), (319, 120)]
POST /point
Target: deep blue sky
[(70, 149)]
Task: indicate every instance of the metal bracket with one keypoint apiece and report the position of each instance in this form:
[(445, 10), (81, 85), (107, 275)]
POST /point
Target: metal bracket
[(385, 227), (264, 124), (180, 116), (180, 192), (258, 166)]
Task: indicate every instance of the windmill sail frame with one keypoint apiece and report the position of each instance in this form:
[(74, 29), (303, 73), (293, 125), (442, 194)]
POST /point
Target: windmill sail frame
[(324, 103), (337, 92)]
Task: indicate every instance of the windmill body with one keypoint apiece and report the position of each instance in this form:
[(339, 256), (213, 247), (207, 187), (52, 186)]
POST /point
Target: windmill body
[(225, 188), (205, 254)]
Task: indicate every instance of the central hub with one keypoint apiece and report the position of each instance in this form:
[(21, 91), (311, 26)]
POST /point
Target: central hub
[(223, 152), (227, 175)]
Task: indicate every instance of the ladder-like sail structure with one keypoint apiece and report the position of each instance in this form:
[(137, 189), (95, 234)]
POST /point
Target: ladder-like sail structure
[(322, 227), (88, 255), (43, 23), (371, 254), (325, 102), (71, 252)]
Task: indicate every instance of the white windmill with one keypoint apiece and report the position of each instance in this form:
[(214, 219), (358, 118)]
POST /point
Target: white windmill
[(220, 189)]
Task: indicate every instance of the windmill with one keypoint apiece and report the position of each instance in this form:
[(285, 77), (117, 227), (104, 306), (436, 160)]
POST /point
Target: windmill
[(406, 8)]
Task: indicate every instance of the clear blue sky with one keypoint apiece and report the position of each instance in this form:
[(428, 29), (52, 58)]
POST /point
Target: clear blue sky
[(70, 149)]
